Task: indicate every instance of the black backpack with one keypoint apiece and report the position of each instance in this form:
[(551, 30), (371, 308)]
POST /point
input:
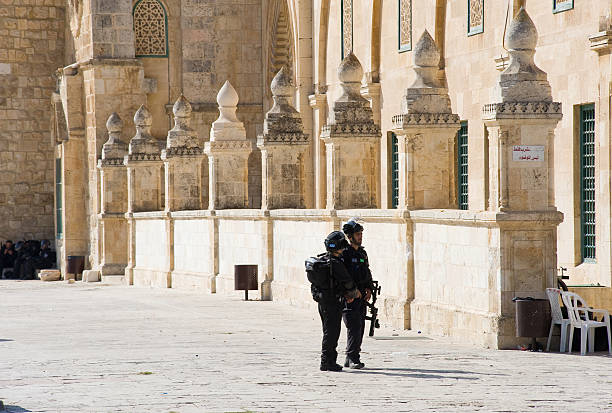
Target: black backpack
[(318, 271)]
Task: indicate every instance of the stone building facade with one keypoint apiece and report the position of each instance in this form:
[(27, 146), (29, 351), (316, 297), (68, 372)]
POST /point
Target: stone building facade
[(472, 137)]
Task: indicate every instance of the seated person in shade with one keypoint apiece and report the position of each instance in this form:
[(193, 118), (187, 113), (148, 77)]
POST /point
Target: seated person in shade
[(7, 256), (38, 259)]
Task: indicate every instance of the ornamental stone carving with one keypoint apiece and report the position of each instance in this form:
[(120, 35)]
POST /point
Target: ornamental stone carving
[(143, 146), (114, 150), (182, 139), (283, 124), (522, 80), (283, 146), (352, 144), (351, 113), (426, 101)]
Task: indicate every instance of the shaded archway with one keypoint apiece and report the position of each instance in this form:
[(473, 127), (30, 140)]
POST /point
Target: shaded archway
[(279, 48)]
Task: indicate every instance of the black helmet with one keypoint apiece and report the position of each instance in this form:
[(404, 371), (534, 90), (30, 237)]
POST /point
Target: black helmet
[(351, 227), (335, 241)]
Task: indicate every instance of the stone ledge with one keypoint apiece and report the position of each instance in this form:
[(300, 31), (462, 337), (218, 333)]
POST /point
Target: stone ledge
[(112, 216), (601, 42), (522, 110), (150, 215), (241, 213), (428, 120), (193, 214), (488, 218)]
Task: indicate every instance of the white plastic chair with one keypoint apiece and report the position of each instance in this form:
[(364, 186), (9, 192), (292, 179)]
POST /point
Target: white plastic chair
[(557, 318), (578, 313)]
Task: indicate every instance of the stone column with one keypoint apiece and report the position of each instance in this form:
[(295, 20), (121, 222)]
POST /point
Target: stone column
[(228, 153), (352, 145), (183, 162), (113, 231), (521, 124), (283, 146), (318, 103), (144, 179), (426, 135)]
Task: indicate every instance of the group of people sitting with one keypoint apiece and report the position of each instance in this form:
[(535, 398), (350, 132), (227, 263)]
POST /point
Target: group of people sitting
[(21, 260)]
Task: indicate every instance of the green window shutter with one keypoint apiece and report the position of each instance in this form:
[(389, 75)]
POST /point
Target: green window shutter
[(58, 199), (587, 181), (462, 166), (394, 172)]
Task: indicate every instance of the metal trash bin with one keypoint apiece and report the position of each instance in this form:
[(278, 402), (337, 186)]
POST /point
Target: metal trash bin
[(532, 318), (245, 278), (75, 264)]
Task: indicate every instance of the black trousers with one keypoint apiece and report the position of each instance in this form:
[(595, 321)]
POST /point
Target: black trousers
[(354, 320), (331, 316)]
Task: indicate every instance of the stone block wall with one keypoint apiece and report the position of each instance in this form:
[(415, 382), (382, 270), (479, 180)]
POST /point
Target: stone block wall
[(32, 47), (192, 246), (295, 240), (151, 255), (222, 41), (240, 242)]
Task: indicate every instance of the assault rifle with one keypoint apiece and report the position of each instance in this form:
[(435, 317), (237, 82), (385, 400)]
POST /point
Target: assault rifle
[(373, 317)]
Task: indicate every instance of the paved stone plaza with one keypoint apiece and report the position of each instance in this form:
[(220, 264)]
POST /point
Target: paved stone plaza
[(99, 348)]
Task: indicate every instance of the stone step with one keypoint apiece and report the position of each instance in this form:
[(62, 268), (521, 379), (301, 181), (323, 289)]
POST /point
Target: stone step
[(113, 279)]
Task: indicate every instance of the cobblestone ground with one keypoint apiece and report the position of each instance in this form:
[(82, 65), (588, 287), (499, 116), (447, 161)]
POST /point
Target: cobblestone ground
[(96, 348)]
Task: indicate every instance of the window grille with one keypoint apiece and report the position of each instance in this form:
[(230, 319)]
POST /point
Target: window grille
[(150, 29), (475, 17), (394, 172), (346, 13), (587, 180), (462, 166), (405, 25), (562, 5)]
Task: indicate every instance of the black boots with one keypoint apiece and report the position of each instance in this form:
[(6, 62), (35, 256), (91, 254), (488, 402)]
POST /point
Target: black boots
[(353, 364), (330, 367)]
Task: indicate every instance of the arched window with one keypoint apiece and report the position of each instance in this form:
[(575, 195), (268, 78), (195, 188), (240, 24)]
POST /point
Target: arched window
[(150, 29)]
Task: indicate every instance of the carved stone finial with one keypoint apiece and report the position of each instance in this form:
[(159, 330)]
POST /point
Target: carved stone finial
[(350, 70), (426, 60), (227, 96), (522, 33), (281, 85), (114, 124), (181, 108), (351, 111), (227, 126), (182, 139), (523, 81), (426, 53), (283, 124), (143, 118), (114, 148), (143, 142), (350, 73), (427, 94), (282, 88)]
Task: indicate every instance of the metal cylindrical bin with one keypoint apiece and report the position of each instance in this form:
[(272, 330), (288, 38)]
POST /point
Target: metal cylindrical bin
[(75, 264), (532, 317), (245, 278)]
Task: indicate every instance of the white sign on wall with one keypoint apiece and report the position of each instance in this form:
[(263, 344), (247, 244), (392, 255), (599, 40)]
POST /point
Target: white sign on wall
[(528, 153)]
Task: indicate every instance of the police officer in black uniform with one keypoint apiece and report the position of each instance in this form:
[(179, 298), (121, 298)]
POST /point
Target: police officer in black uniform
[(356, 261), (341, 288)]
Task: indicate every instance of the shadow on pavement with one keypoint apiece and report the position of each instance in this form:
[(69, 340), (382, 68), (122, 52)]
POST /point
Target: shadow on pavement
[(6, 339), (14, 409), (421, 373)]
